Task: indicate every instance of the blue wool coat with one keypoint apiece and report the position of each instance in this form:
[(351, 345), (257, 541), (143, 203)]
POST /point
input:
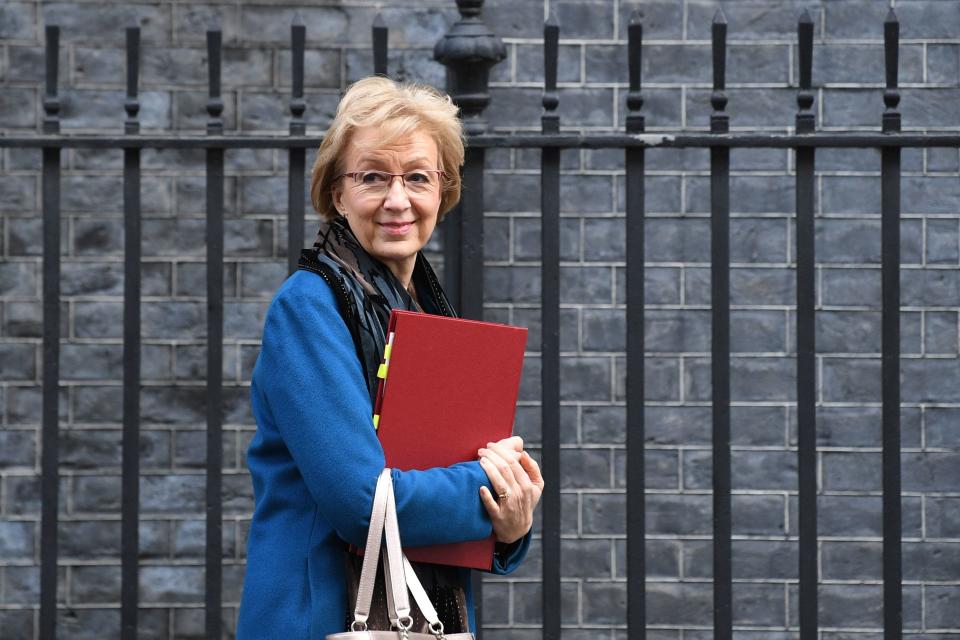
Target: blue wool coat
[(315, 459)]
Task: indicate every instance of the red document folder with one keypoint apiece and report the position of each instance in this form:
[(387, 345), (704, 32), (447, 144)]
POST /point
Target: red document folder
[(448, 387)]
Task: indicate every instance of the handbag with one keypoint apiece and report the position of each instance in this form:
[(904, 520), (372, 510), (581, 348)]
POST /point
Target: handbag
[(399, 576)]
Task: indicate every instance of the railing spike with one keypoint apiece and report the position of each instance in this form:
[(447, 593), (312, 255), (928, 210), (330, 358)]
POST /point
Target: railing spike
[(51, 102), (132, 105), (635, 120), (805, 118), (550, 121), (298, 20), (380, 35), (719, 121), (298, 37), (891, 49), (215, 101)]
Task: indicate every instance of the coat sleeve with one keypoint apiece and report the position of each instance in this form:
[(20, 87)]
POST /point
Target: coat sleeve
[(309, 381)]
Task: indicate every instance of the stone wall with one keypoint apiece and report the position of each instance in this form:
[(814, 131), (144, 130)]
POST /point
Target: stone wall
[(848, 73)]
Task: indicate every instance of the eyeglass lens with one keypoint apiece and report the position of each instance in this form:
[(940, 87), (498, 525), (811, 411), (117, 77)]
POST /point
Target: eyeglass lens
[(378, 182)]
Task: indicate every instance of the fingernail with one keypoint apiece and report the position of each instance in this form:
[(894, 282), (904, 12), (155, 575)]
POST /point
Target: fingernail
[(481, 451)]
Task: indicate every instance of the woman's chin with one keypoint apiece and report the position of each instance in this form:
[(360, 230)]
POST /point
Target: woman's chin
[(396, 250)]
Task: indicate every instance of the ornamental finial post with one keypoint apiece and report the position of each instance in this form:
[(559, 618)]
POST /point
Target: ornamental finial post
[(215, 100), (51, 102), (719, 120), (132, 104), (635, 119), (468, 51), (298, 38), (805, 117), (891, 94)]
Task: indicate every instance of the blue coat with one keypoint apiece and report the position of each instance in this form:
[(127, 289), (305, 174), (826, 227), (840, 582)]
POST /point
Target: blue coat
[(315, 459)]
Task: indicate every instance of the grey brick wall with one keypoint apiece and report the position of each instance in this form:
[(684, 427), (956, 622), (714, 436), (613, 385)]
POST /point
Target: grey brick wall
[(762, 80)]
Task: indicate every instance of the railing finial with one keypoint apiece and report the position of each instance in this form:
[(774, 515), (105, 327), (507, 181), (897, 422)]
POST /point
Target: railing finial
[(891, 96), (215, 101), (51, 102), (805, 117), (380, 35), (298, 37), (719, 121), (132, 104), (468, 51), (635, 119), (550, 120)]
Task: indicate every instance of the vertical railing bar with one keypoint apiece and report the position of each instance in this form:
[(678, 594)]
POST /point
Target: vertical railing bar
[(635, 437), (471, 239), (720, 345), (806, 342), (50, 453), (380, 35), (451, 254), (130, 537), (550, 336), (890, 332), (296, 155), (470, 291), (214, 236)]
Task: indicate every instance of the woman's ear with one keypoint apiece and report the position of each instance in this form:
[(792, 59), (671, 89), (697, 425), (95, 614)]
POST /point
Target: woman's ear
[(336, 195)]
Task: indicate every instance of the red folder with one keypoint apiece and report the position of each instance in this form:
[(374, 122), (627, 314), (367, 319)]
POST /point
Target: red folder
[(448, 387)]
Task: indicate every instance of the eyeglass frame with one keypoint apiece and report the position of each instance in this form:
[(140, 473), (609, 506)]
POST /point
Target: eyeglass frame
[(352, 174)]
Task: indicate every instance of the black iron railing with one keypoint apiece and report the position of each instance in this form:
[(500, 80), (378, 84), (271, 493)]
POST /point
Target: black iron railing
[(470, 51)]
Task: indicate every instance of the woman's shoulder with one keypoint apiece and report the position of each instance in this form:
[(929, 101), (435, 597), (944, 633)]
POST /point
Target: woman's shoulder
[(304, 288), (304, 299)]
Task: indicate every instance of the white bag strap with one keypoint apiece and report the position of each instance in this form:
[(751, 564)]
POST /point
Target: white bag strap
[(371, 556), (398, 602), (420, 597), (401, 576)]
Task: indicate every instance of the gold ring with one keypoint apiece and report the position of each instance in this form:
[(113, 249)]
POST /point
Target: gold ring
[(505, 495)]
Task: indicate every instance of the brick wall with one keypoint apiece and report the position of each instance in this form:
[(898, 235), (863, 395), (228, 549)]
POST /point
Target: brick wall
[(848, 72)]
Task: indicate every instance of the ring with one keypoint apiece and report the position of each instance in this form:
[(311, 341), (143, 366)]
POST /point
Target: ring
[(505, 495)]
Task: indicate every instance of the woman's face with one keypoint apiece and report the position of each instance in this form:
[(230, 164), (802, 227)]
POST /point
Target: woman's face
[(394, 225)]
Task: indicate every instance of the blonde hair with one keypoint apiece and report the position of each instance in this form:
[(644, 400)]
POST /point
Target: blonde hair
[(398, 110)]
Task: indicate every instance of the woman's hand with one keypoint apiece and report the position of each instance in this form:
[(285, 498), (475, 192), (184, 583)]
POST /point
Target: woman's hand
[(516, 478)]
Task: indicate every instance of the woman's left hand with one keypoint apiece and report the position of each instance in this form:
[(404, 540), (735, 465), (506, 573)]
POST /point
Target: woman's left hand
[(516, 478)]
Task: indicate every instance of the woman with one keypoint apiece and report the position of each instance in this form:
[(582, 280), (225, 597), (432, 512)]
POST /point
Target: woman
[(387, 170)]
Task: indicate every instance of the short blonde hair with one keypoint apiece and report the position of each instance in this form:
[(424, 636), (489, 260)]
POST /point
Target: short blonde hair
[(398, 110)]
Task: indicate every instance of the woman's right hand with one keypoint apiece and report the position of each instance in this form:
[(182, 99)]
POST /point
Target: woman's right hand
[(516, 478)]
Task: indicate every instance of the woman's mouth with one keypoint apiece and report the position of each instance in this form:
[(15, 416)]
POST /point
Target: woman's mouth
[(396, 228)]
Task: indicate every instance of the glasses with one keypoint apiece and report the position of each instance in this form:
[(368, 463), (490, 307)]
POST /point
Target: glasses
[(377, 183)]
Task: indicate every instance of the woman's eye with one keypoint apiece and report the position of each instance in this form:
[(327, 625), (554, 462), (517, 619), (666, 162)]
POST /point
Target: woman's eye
[(417, 177), (372, 177)]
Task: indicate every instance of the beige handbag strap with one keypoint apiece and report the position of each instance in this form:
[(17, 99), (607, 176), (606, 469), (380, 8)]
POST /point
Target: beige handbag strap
[(371, 556), (398, 602), (399, 575), (399, 580)]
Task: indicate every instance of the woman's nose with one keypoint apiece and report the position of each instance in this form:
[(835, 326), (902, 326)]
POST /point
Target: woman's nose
[(396, 195)]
